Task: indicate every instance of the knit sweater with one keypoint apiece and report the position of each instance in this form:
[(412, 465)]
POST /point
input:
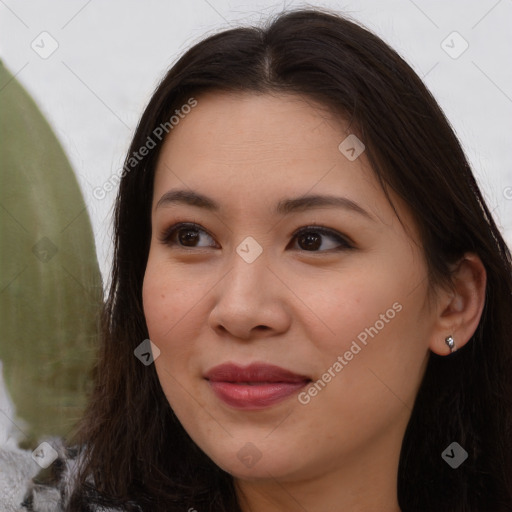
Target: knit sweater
[(21, 470), (19, 473)]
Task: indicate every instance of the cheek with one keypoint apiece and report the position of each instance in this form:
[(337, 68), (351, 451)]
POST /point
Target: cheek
[(353, 306), (169, 301), (377, 336), (168, 307), (172, 322)]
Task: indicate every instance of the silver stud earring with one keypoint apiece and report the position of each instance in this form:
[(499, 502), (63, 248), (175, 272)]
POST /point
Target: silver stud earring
[(451, 344)]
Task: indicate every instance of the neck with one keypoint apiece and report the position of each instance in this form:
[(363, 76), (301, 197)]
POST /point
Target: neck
[(366, 482)]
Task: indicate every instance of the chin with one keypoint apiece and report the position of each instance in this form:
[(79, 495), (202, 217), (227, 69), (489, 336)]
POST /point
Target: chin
[(250, 463)]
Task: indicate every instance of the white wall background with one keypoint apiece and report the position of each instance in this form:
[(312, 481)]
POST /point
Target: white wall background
[(111, 54)]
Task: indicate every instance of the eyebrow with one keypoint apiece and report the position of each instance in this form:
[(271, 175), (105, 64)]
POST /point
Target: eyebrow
[(283, 207)]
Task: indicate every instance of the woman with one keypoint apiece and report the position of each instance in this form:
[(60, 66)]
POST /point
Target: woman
[(328, 298)]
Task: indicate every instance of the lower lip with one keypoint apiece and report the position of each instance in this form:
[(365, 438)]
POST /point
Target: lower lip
[(258, 396)]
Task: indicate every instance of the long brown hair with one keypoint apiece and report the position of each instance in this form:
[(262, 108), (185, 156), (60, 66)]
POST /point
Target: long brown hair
[(134, 446)]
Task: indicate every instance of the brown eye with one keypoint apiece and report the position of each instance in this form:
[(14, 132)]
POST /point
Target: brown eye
[(183, 234), (310, 240), (188, 236)]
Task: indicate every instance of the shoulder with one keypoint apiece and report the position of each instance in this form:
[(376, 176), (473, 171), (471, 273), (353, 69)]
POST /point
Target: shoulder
[(34, 481), (42, 480), (26, 485), (18, 470)]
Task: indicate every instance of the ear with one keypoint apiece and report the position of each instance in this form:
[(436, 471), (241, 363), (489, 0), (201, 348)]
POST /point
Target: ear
[(460, 308)]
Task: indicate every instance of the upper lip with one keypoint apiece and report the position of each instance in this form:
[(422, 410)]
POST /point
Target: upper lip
[(255, 372)]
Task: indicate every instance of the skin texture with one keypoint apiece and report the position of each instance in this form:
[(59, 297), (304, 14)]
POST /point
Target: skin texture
[(295, 307)]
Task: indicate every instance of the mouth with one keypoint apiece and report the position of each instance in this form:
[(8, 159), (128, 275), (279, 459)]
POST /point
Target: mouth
[(254, 387)]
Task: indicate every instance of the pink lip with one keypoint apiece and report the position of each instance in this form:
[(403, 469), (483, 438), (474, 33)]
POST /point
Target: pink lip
[(255, 386)]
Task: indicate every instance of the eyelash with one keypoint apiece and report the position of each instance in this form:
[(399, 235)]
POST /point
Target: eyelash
[(345, 242)]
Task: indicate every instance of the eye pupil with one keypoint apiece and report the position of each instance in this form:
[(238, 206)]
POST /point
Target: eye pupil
[(190, 236), (313, 240), (309, 239)]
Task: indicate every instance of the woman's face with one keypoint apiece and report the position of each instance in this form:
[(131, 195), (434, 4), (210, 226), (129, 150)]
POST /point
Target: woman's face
[(333, 293)]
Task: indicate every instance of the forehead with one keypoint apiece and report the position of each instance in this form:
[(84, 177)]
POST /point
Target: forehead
[(249, 152), (255, 121), (260, 138)]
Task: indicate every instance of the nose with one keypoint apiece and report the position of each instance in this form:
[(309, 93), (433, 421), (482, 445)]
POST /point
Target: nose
[(250, 301)]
